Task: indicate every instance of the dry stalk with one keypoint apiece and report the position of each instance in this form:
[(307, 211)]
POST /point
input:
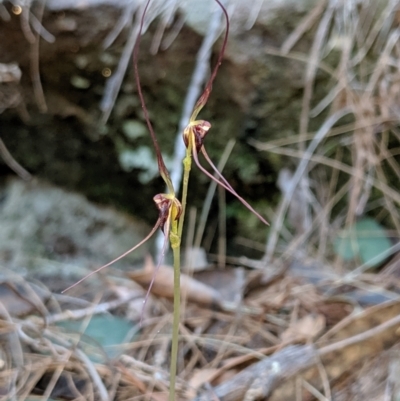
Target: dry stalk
[(365, 81)]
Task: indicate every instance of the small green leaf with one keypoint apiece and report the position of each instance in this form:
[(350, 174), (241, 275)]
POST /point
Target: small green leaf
[(366, 240)]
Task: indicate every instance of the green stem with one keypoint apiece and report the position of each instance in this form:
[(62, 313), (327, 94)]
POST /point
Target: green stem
[(175, 324), (175, 238), (187, 165)]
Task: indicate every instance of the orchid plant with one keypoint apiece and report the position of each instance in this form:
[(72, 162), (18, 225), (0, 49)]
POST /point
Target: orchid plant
[(171, 209)]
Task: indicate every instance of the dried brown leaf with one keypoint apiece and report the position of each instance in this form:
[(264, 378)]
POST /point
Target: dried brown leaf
[(198, 379), (304, 329), (229, 282), (163, 286)]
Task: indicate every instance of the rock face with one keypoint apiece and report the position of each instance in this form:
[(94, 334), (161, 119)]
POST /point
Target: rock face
[(46, 230), (60, 136)]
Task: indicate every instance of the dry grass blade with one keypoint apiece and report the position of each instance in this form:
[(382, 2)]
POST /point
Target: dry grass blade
[(89, 311), (12, 163), (301, 169), (311, 70), (364, 43), (302, 27), (308, 320), (261, 379), (113, 84), (34, 62)]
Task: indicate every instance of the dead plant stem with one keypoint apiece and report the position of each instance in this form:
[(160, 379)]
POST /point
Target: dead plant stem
[(12, 163), (91, 310), (358, 338), (34, 64), (301, 169)]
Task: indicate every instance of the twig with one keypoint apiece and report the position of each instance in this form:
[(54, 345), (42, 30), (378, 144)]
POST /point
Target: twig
[(12, 163), (41, 30), (34, 64), (254, 12), (314, 391), (319, 136), (221, 227), (325, 380), (91, 310), (13, 339), (311, 71), (302, 27), (382, 186), (86, 361), (162, 25), (260, 379), (358, 338), (114, 83), (125, 18)]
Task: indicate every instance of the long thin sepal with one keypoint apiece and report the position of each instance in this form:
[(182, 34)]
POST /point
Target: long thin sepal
[(227, 186), (205, 154), (161, 258), (154, 229)]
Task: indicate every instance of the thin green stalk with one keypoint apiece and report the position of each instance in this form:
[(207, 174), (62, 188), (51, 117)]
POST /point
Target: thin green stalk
[(175, 238), (175, 324), (187, 165), (176, 247)]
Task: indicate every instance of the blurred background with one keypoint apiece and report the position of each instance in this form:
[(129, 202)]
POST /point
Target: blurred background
[(305, 125)]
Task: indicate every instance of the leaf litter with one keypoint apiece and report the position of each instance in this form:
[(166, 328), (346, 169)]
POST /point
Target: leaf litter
[(277, 333), (304, 323)]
